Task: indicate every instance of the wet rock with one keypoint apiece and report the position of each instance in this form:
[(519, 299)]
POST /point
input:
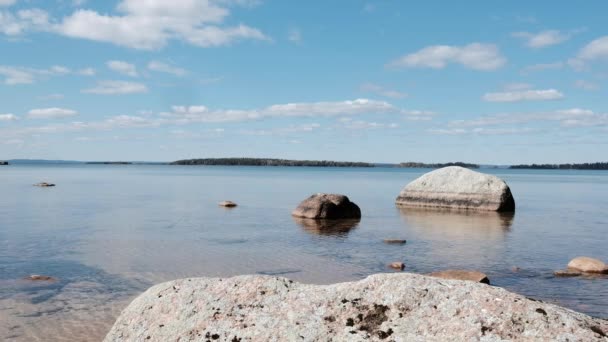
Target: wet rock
[(588, 265), (567, 273), (327, 206), (456, 187), (397, 265), (395, 241), (515, 269), (227, 204), (474, 276), (399, 307), (44, 185), (38, 277)]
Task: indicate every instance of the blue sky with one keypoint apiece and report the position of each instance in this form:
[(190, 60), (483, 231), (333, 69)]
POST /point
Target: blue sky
[(382, 81)]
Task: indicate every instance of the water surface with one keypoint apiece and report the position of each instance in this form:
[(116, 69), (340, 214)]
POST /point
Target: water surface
[(107, 232)]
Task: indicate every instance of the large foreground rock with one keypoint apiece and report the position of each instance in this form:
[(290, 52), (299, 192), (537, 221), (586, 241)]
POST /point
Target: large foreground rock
[(390, 307), (327, 206), (456, 187)]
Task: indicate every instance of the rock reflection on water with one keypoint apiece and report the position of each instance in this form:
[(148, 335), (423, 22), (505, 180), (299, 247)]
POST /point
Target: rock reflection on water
[(336, 228), (455, 224), (458, 239)]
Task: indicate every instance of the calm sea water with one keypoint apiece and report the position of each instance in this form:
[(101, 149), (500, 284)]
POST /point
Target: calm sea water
[(109, 232)]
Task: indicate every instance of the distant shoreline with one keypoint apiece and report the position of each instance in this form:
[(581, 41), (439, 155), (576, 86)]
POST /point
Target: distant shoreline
[(311, 163)]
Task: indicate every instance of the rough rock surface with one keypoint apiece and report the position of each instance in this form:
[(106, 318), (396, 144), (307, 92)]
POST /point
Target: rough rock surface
[(475, 276), (327, 206), (383, 307), (589, 265), (456, 187)]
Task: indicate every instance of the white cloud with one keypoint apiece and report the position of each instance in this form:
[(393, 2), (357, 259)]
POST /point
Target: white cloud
[(542, 67), (543, 39), (524, 95), (595, 50), (14, 24), (122, 68), (183, 115), (87, 72), (52, 97), (14, 75), (566, 117), (376, 89), (483, 131), (151, 24), (294, 35), (51, 113), (117, 88), (7, 2), (164, 67), (8, 117), (476, 56), (586, 85)]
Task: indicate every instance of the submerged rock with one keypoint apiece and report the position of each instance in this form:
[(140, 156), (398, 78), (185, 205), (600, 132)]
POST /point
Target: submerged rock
[(588, 265), (395, 241), (567, 273), (227, 204), (456, 187), (38, 277), (467, 275), (44, 184), (397, 265), (327, 206), (400, 307)]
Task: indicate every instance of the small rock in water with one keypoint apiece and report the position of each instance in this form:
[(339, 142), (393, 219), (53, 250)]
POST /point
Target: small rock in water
[(395, 241), (38, 277), (227, 204), (44, 185), (588, 265), (515, 269), (567, 273), (397, 265), (475, 276), (327, 206)]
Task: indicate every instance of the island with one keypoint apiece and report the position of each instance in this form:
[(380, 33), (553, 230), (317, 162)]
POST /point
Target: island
[(268, 162), (438, 165), (583, 166), (110, 163), (3, 162)]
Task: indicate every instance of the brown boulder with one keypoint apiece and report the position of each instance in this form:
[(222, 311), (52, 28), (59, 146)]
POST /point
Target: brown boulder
[(327, 206)]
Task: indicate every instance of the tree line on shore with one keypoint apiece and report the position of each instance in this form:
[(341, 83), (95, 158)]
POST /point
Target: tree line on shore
[(269, 162), (583, 166)]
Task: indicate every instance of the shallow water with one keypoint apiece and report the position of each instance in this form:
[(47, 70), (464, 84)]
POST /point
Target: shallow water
[(107, 232)]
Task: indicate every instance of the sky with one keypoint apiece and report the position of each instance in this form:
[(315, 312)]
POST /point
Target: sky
[(378, 81)]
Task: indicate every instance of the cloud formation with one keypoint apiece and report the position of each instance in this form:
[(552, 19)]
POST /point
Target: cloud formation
[(476, 56), (166, 68), (122, 67), (8, 117), (117, 88), (51, 113), (379, 90), (524, 95), (543, 38)]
